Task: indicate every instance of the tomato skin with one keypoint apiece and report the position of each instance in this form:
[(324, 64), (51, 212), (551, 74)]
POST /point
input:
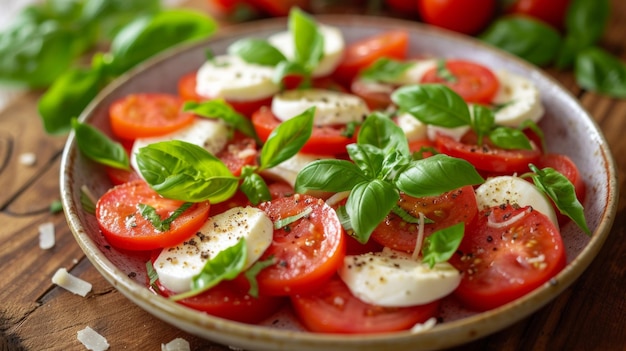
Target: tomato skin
[(239, 152), (549, 11), (489, 256), (147, 115), (325, 140), (308, 252), (333, 309), (404, 7), (487, 158), (362, 53), (474, 82), (468, 17), (376, 95), (446, 210), (117, 206), (119, 176)]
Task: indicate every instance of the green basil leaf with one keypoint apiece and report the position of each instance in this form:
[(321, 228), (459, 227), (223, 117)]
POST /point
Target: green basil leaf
[(286, 221), (150, 34), (226, 265), (184, 171), (218, 108), (148, 212), (483, 120), (153, 276), (252, 272), (538, 132), (329, 175), (368, 204), (599, 71), (344, 218), (67, 98), (385, 70), (434, 104), (444, 73), (380, 131), (88, 200), (259, 51), (509, 138), (112, 15), (255, 188), (308, 41), (393, 165), (367, 157), (562, 192), (290, 68), (99, 147), (524, 37), (567, 52), (442, 244), (287, 139), (436, 175), (586, 20)]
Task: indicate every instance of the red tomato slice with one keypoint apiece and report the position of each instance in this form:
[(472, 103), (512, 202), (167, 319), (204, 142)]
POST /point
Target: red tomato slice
[(552, 12), (187, 91), (239, 152), (124, 227), (362, 53), (487, 158), (308, 252), (376, 95), (229, 301), (446, 210), (463, 16), (505, 254), (325, 140), (147, 115), (333, 309), (474, 82), (120, 176)]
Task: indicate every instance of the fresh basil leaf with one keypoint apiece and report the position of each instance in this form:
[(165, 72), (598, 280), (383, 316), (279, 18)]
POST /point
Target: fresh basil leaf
[(290, 68), (368, 204), (524, 37), (408, 217), (444, 73), (308, 41), (252, 272), (148, 212), (567, 52), (599, 71), (150, 34), (218, 108), (153, 276), (586, 20), (226, 265), (434, 104), (538, 132), (184, 171), (436, 175), (442, 244), (255, 188), (286, 221), (329, 175), (380, 131), (99, 147), (563, 194), (344, 218), (367, 157), (287, 139), (509, 138), (483, 120), (258, 51), (112, 15), (393, 165), (56, 206), (87, 200), (385, 70)]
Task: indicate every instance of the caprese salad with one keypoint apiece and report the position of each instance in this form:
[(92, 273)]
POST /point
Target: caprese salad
[(359, 186)]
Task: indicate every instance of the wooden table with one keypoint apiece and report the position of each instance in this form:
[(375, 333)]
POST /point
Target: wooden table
[(37, 315)]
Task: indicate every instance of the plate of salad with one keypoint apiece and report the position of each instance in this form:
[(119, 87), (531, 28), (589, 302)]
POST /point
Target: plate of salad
[(338, 183)]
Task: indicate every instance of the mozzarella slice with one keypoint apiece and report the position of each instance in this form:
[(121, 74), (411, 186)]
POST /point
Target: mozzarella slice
[(414, 74), (177, 265), (392, 279), (331, 107), (334, 47), (514, 190), (231, 78), (288, 170), (413, 128), (455, 133), (207, 133), (519, 99)]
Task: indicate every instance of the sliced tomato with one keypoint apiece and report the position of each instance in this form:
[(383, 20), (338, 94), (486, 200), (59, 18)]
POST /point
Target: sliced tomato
[(487, 157), (325, 140), (445, 210), (230, 301), (333, 309), (123, 226), (550, 11), (187, 91), (376, 95), (362, 53), (468, 17), (472, 81), (308, 252), (506, 253), (240, 151), (119, 176), (147, 115), (425, 146)]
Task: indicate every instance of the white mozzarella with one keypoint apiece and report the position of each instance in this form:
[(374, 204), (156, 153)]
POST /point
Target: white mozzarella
[(514, 190), (455, 133), (393, 279), (413, 128), (519, 99), (177, 265), (414, 74), (207, 133), (334, 47), (331, 107), (231, 78), (288, 170)]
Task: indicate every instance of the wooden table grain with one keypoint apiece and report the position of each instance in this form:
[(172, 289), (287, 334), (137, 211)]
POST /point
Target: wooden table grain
[(37, 315)]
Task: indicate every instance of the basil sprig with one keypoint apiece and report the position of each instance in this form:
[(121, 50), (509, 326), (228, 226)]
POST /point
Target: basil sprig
[(99, 147), (258, 51), (438, 105), (219, 109), (148, 212), (442, 244), (385, 70), (381, 168)]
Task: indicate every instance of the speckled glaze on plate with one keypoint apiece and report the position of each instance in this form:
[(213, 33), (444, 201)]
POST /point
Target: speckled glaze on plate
[(569, 130)]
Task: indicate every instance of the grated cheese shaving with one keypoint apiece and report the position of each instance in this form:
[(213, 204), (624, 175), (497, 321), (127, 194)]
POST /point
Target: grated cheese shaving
[(71, 283), (27, 159), (178, 344), (92, 340), (420, 327), (46, 235)]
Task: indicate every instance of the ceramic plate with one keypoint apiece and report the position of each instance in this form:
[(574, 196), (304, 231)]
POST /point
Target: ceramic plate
[(569, 130)]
